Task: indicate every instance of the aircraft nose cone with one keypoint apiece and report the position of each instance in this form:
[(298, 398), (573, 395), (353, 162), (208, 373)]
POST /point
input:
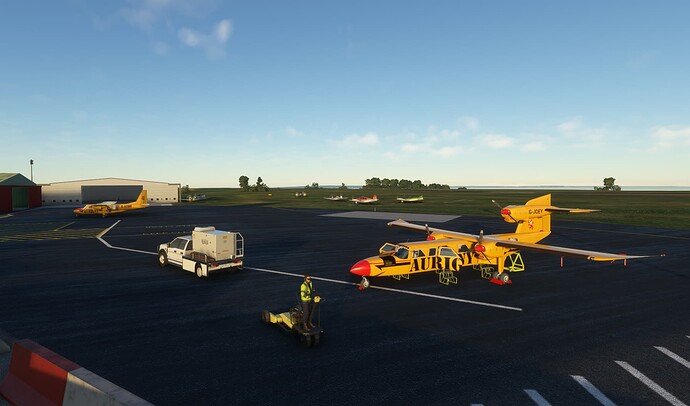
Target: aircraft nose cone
[(361, 268)]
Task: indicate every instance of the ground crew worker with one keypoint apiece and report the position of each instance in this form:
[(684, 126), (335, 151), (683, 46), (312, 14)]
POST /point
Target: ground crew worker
[(306, 295)]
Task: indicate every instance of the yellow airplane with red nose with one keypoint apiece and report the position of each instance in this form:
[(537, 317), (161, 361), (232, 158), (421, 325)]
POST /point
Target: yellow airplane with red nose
[(446, 252)]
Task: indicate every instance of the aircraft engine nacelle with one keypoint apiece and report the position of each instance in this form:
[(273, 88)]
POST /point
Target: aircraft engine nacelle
[(489, 250)]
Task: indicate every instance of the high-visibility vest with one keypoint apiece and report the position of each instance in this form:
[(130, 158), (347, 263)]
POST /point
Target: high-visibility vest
[(305, 291)]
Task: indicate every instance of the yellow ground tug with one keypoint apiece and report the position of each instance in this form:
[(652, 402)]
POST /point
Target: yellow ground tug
[(292, 321)]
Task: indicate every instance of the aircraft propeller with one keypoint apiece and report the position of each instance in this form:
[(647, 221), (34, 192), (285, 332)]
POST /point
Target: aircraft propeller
[(502, 211)]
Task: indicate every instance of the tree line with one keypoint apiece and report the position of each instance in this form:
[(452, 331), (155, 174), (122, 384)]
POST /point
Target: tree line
[(385, 183), (259, 186)]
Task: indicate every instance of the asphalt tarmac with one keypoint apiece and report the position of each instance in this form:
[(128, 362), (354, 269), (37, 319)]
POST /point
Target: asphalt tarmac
[(587, 333)]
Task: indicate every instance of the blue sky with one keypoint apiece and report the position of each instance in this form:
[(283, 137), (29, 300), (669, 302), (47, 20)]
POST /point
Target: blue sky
[(202, 92)]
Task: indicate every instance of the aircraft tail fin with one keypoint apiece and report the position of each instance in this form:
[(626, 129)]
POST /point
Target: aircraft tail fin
[(142, 200), (535, 215)]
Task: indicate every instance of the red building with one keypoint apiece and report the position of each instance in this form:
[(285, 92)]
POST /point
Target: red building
[(17, 192)]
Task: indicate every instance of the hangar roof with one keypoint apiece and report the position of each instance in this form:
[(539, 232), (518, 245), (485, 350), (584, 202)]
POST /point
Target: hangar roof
[(112, 179), (14, 179)]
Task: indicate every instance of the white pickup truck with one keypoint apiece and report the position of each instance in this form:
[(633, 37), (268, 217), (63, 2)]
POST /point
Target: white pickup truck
[(206, 251)]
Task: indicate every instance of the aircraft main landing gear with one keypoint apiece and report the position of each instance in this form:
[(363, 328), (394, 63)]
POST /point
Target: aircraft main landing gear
[(501, 278)]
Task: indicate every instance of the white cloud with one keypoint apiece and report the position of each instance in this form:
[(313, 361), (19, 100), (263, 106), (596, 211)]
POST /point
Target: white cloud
[(356, 140), (293, 132), (160, 48), (471, 123), (495, 141), (213, 44), (533, 146), (570, 125), (146, 14), (671, 136)]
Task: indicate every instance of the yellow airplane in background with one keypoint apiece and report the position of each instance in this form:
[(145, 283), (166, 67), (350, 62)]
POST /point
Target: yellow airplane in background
[(107, 208), (446, 252)]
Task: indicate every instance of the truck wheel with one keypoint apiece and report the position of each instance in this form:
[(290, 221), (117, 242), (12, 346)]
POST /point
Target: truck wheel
[(162, 259), (199, 271)]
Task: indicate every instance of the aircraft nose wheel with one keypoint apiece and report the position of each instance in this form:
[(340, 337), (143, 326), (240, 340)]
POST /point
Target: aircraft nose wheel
[(364, 283)]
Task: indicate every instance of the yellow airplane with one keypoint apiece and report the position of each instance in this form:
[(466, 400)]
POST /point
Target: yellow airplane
[(446, 251), (107, 208)]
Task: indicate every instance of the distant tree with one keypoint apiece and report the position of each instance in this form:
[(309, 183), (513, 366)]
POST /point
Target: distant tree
[(609, 185), (260, 186), (184, 190), (386, 183), (244, 183), (417, 184), (342, 187), (373, 183), (405, 184), (394, 184)]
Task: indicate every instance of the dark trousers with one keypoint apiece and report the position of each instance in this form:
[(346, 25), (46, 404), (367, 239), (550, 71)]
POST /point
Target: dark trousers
[(306, 310)]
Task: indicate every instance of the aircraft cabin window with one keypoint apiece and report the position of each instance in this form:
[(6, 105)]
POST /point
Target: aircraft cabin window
[(402, 253), (447, 252)]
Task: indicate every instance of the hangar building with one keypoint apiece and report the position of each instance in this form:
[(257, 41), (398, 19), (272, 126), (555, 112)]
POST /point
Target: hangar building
[(109, 189), (18, 192)]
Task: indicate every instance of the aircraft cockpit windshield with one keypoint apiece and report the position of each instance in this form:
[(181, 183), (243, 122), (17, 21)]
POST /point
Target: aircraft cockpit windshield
[(387, 248)]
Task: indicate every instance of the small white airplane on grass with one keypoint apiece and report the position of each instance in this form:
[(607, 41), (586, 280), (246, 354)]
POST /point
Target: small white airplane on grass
[(334, 198)]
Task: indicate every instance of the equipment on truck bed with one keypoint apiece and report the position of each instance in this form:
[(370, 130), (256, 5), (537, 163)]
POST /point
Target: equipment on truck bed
[(292, 321)]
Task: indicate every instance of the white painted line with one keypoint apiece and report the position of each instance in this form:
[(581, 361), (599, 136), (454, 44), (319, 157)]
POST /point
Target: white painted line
[(682, 361), (407, 292), (537, 398), (100, 238), (651, 384), (593, 390)]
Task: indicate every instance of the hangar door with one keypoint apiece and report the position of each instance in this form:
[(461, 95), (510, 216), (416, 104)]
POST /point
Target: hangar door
[(120, 193), (20, 198)]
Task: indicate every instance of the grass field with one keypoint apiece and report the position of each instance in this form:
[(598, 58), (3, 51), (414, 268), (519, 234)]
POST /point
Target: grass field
[(657, 209)]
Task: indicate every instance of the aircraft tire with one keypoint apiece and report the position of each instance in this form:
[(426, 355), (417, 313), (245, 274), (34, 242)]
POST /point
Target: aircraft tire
[(266, 316), (504, 277), (316, 339), (162, 259)]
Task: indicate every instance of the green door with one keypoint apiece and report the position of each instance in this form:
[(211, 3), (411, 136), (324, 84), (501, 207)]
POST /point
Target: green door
[(20, 198)]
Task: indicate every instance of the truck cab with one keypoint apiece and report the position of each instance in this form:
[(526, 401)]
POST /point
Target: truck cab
[(178, 248)]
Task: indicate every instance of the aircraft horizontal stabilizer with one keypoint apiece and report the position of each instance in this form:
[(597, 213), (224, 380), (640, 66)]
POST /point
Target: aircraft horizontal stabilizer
[(564, 210)]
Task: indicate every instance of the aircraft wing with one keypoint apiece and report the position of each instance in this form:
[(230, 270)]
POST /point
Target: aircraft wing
[(500, 242), (562, 251), (426, 229)]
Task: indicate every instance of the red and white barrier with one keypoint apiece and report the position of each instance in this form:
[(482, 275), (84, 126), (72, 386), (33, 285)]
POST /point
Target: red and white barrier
[(37, 376)]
